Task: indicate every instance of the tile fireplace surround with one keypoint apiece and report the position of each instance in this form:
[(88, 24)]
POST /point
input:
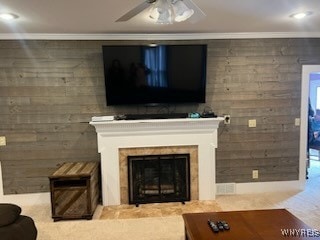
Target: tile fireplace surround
[(117, 139)]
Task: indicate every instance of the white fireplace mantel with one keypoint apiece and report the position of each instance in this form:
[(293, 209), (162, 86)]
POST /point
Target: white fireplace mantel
[(113, 135)]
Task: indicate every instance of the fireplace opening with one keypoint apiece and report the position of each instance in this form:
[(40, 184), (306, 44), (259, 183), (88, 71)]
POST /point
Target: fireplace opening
[(159, 178)]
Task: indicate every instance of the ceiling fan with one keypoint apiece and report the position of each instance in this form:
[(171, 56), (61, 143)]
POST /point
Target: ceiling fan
[(167, 11)]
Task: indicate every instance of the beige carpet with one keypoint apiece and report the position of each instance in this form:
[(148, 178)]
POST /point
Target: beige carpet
[(158, 210), (305, 205)]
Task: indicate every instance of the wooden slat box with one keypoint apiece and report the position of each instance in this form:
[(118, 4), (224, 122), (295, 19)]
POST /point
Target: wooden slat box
[(74, 191)]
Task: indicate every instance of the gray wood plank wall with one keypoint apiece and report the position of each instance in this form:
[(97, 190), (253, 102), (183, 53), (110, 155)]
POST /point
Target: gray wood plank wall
[(49, 90)]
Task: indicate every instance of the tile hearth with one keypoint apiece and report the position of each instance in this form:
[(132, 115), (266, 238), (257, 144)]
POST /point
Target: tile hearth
[(158, 209)]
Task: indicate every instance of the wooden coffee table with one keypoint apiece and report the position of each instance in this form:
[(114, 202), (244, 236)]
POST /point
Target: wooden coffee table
[(248, 225)]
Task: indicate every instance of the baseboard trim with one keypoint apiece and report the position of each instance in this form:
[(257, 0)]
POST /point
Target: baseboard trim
[(27, 199), (262, 187), (23, 199), (241, 188)]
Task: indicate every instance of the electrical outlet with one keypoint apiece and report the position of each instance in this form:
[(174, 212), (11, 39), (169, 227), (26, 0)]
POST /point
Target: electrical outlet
[(252, 123), (297, 121), (3, 141), (255, 174), (226, 119)]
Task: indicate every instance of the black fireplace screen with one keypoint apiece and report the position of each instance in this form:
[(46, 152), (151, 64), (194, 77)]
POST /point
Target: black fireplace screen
[(159, 178)]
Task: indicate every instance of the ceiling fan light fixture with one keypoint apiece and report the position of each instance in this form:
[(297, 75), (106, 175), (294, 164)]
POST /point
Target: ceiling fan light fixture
[(165, 17), (154, 14), (162, 12), (166, 11), (182, 12)]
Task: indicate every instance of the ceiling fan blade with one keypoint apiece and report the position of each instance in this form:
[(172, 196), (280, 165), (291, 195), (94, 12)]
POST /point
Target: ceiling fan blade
[(198, 13), (138, 9)]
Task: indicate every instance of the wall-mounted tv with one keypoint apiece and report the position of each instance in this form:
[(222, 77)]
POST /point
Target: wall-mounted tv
[(155, 74)]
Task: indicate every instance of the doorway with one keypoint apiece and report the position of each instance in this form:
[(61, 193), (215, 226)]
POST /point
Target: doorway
[(310, 74)]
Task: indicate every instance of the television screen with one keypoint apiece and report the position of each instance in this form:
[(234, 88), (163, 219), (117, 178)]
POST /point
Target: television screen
[(155, 74)]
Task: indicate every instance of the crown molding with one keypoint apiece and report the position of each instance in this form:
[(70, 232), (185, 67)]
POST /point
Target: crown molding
[(158, 36)]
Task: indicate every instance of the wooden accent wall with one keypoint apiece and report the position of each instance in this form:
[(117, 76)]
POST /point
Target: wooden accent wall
[(49, 90), (259, 79)]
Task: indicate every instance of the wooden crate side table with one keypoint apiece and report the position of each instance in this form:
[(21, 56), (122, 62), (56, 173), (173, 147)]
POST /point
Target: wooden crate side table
[(74, 190)]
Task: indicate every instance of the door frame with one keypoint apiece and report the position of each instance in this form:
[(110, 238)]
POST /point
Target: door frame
[(305, 83)]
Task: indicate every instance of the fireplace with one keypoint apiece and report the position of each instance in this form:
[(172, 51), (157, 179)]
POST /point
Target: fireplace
[(159, 178), (191, 150), (156, 133)]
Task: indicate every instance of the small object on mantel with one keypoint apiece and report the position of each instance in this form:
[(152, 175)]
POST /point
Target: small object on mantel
[(102, 118), (74, 190)]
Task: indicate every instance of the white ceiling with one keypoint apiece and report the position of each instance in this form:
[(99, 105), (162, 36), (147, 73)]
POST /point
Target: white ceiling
[(94, 17)]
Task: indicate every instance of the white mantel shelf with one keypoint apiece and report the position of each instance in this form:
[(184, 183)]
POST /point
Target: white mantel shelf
[(113, 135), (183, 125)]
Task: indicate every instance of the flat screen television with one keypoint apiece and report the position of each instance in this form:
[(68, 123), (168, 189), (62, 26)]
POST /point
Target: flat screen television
[(155, 74)]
